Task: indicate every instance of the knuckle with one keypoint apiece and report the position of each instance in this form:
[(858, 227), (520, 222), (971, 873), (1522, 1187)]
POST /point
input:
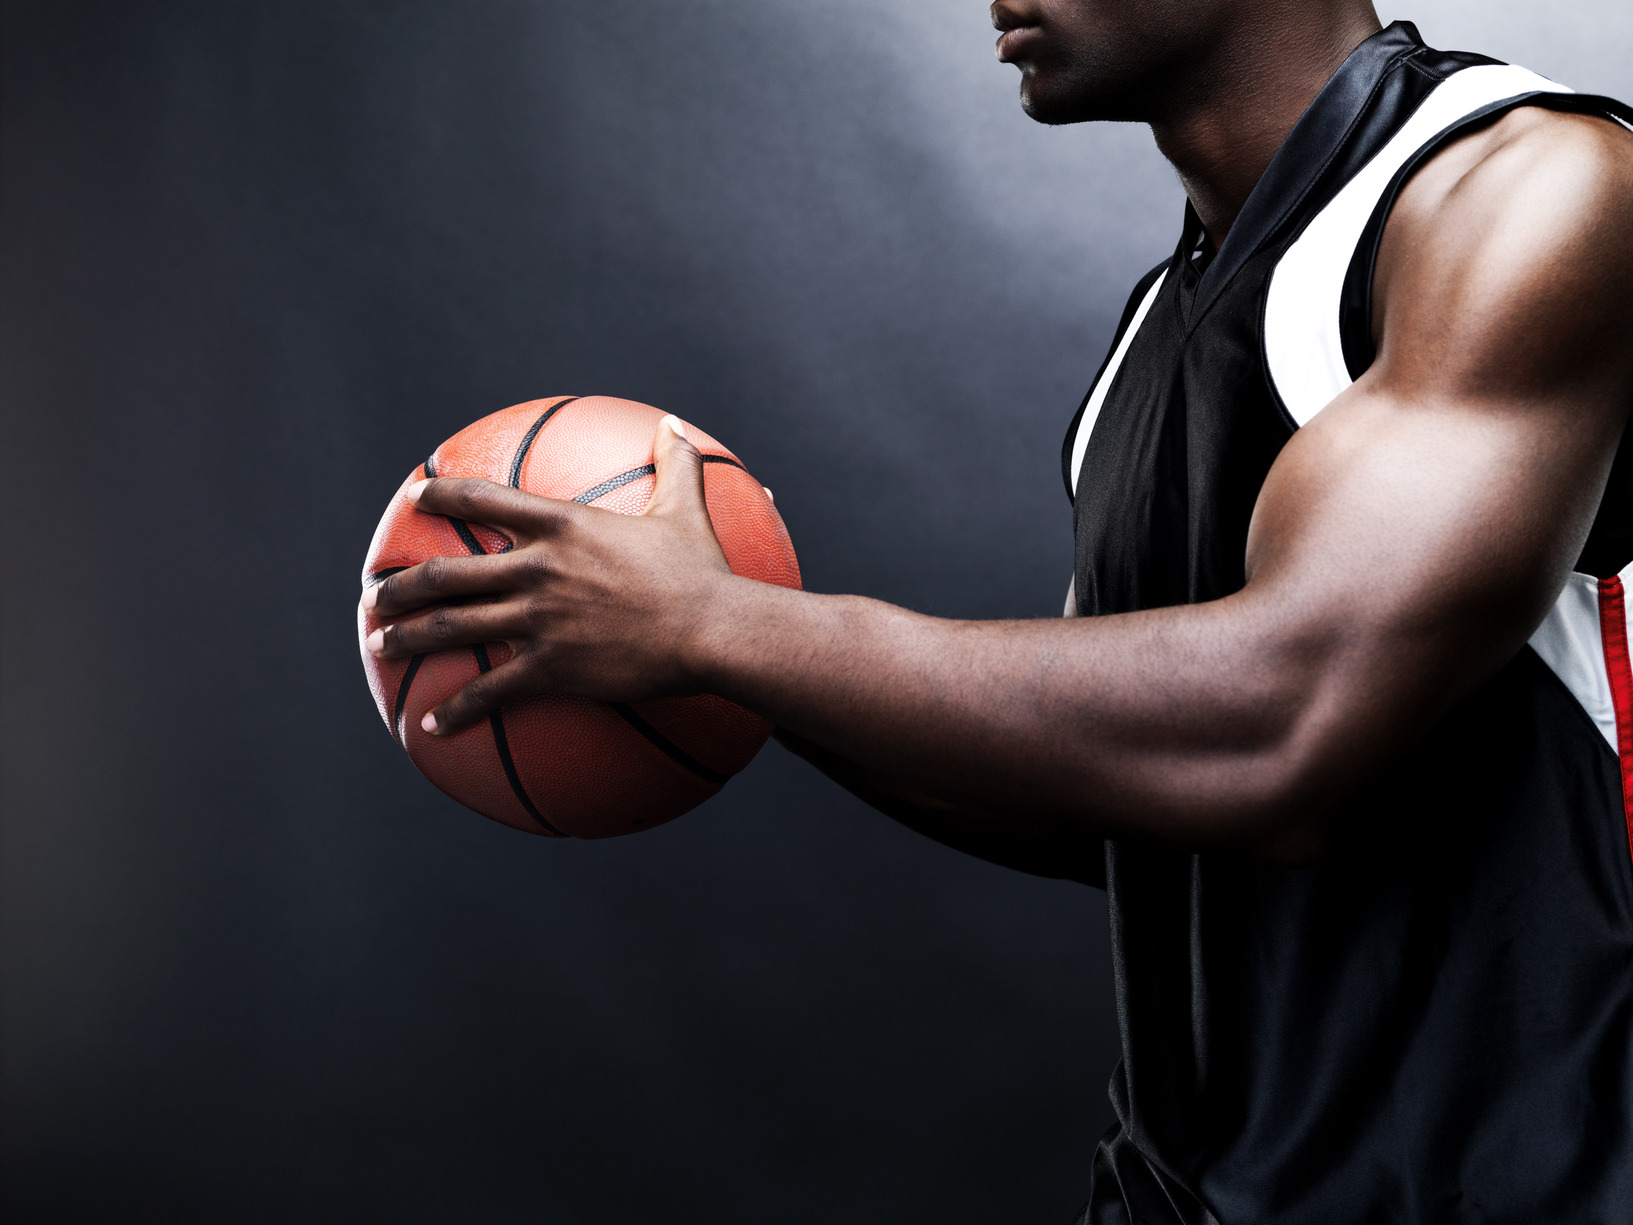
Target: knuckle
[(534, 622), (547, 512), (440, 625), (536, 568), (434, 572), (542, 662), (481, 695), (461, 707)]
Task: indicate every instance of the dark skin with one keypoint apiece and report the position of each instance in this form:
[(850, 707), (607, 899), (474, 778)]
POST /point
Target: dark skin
[(1405, 545), (1220, 82)]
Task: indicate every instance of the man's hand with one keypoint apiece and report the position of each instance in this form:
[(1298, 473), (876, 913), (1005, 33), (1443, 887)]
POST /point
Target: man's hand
[(590, 603)]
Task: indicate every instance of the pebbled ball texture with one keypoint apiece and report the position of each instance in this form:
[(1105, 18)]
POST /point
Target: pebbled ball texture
[(570, 767)]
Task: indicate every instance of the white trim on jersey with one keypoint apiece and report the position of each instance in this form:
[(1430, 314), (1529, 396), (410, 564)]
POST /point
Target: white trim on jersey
[(1097, 397), (1571, 642), (1304, 349)]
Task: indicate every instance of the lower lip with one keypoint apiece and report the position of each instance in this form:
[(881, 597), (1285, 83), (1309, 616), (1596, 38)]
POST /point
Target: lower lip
[(1011, 43)]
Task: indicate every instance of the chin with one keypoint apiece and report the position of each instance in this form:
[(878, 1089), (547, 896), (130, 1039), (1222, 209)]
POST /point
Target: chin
[(1047, 98), (1045, 106)]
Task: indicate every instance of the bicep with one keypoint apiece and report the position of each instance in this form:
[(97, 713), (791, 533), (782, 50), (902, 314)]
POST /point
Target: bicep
[(1426, 537), (1418, 529)]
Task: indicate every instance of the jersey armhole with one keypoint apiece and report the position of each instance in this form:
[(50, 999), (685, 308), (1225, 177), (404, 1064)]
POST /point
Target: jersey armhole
[(1355, 301)]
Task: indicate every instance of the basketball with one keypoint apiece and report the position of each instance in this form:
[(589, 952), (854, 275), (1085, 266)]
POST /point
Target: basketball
[(560, 766)]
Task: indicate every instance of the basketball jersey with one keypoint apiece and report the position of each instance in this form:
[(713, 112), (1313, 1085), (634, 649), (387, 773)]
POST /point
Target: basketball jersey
[(1434, 1023)]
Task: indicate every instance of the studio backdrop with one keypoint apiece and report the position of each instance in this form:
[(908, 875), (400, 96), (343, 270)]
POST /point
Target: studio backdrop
[(257, 259)]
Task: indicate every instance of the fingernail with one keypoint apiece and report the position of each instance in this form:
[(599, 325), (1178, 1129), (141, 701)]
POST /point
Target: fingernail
[(371, 594), (376, 642), (429, 723), (413, 492), (769, 497), (674, 424)]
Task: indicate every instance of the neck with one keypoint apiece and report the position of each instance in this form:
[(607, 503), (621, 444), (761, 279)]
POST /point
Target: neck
[(1234, 110)]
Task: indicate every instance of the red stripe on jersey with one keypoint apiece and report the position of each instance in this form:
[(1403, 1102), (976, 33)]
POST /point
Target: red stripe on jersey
[(1613, 630)]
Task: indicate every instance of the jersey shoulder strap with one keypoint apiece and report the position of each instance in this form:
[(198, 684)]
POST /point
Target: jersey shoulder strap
[(1317, 332)]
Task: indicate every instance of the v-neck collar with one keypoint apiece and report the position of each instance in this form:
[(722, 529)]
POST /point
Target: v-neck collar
[(1304, 156)]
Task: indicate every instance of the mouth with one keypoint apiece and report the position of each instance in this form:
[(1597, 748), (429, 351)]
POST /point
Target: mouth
[(1016, 28)]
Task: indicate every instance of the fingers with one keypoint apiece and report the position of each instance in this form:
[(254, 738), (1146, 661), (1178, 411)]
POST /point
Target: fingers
[(679, 486), (443, 629), (509, 682), (498, 506), (439, 579)]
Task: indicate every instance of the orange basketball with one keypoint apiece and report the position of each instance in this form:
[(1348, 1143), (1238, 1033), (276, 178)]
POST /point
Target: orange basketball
[(570, 767)]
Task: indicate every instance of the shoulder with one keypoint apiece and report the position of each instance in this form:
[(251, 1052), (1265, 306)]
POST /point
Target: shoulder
[(1536, 136), (1522, 228), (1534, 176)]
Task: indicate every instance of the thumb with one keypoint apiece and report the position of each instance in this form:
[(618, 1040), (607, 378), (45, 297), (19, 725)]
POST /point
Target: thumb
[(679, 490)]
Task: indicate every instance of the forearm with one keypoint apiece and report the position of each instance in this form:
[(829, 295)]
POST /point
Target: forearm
[(1010, 843), (1173, 723)]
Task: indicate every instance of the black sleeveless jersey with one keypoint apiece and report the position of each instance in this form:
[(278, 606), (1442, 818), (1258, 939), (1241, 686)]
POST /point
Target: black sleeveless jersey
[(1434, 1024)]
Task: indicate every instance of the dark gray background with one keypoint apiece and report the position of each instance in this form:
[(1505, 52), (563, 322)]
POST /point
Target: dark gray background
[(257, 260)]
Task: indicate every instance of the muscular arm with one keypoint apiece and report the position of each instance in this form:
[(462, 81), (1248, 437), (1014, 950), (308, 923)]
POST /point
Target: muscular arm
[(1405, 544), (1072, 854)]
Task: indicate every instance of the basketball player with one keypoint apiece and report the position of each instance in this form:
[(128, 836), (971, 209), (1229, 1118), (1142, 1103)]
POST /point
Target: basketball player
[(1340, 712)]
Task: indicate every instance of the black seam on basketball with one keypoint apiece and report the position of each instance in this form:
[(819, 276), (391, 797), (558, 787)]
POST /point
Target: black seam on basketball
[(615, 482), (397, 728), (677, 754), (380, 576), (501, 742), (635, 474), (466, 536), (527, 440)]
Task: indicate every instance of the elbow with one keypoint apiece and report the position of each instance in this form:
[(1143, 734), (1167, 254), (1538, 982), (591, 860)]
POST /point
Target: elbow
[(1271, 787), (1294, 840), (1260, 753), (1304, 732), (1265, 804), (1281, 802)]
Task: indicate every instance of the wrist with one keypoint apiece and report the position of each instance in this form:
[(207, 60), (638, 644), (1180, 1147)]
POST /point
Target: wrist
[(720, 617)]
